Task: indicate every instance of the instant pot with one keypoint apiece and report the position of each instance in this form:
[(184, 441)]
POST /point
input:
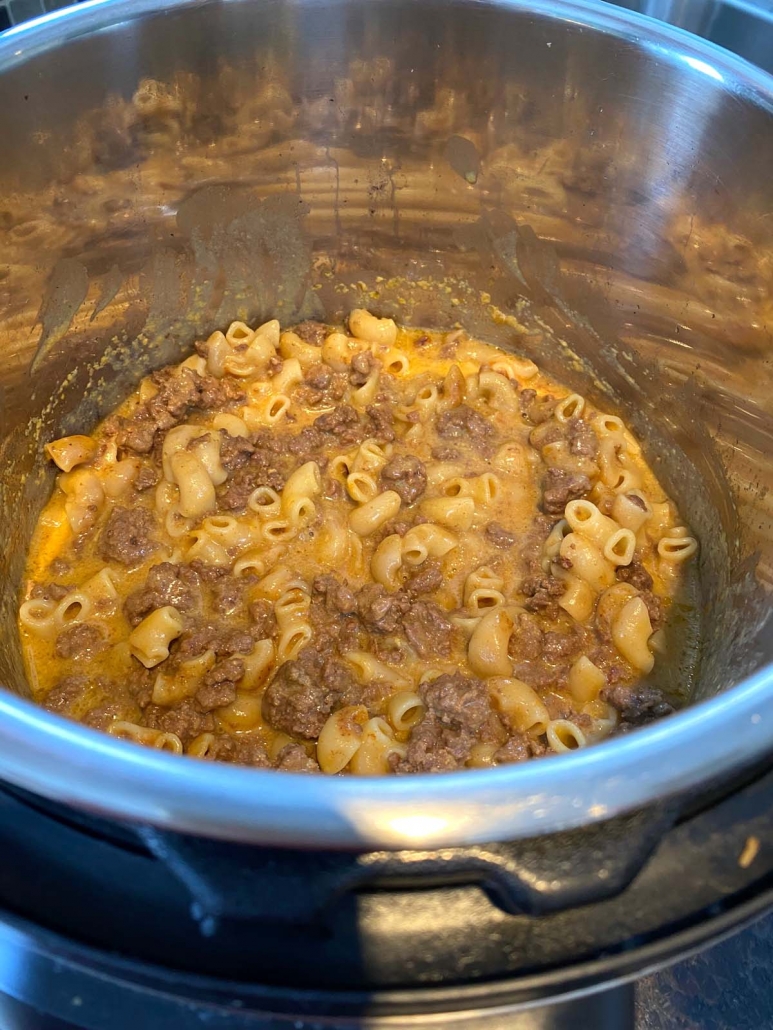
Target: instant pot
[(573, 182)]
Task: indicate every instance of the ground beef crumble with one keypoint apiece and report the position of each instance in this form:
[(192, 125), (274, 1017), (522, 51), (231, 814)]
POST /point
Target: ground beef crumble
[(81, 641), (464, 423), (303, 693), (128, 536), (405, 475), (559, 487), (166, 584), (457, 709)]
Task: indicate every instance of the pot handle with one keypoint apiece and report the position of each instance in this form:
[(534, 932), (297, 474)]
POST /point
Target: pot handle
[(534, 877)]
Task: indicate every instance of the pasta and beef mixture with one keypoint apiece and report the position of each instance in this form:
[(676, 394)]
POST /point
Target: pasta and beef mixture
[(372, 550)]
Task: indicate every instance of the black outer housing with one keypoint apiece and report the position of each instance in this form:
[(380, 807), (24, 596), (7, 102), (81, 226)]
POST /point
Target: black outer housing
[(144, 924)]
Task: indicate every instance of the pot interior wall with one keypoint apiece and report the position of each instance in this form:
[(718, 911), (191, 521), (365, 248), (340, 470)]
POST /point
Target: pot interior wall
[(575, 195)]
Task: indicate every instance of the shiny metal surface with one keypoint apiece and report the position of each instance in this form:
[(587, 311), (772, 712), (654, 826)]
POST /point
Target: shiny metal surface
[(563, 178), (744, 27)]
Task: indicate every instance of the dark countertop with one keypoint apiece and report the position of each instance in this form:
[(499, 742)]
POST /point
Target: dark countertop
[(726, 987)]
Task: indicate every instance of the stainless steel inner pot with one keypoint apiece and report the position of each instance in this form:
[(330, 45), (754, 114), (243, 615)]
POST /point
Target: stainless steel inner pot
[(579, 184)]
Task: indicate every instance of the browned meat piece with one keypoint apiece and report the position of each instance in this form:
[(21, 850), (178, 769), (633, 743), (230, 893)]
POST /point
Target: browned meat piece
[(515, 747), (263, 468), (139, 684), (235, 451), (499, 536), (562, 648), (210, 636), (177, 585), (218, 687), (179, 390), (343, 424), (228, 595), (294, 758), (244, 749), (336, 596), (59, 567), (50, 591), (637, 704), (361, 366), (545, 433), (537, 409), (380, 611), (306, 446), (263, 619), (405, 475), (127, 537), (445, 452), (458, 708), (526, 639), (335, 676), (207, 573), (392, 650), (560, 486), (235, 493), (635, 574), (333, 632), (459, 702), (216, 695), (332, 490), (464, 423), (582, 438), (451, 343), (399, 526), (655, 607), (426, 580), (229, 669), (81, 641), (138, 435), (561, 709), (65, 694), (103, 716), (542, 593), (318, 377), (146, 478), (218, 393), (538, 675), (323, 386), (381, 422), (532, 545), (428, 629), (298, 700), (426, 750), (515, 750), (185, 719), (311, 332)]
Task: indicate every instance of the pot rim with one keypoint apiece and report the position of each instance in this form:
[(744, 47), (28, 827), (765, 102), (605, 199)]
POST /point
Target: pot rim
[(71, 763), (23, 42)]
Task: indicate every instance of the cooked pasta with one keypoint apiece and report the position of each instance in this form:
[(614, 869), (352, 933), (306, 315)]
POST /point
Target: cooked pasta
[(362, 550)]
